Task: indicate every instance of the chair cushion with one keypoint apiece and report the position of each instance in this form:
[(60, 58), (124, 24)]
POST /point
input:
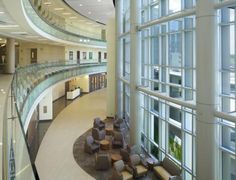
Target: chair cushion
[(171, 167), (126, 175), (141, 170), (161, 172)]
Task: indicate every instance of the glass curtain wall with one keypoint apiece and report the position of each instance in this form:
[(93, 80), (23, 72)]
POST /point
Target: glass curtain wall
[(124, 45), (227, 95), (168, 67), (168, 72)]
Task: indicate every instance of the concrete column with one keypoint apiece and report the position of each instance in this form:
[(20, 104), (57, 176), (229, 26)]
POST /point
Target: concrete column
[(206, 141), (135, 73), (111, 68), (10, 56)]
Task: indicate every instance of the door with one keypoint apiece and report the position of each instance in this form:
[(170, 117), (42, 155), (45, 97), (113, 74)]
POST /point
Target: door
[(78, 57), (99, 57), (33, 55)]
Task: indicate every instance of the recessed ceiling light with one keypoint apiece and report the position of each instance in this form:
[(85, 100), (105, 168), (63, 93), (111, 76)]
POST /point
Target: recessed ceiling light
[(42, 39), (1, 12), (89, 12), (19, 33), (9, 26), (47, 3), (80, 5), (58, 9), (72, 17), (99, 0), (66, 13)]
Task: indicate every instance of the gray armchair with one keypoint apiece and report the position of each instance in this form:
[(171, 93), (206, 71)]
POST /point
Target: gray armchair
[(119, 124), (90, 146), (102, 161), (118, 140), (98, 134), (98, 123), (139, 167), (167, 170), (121, 171)]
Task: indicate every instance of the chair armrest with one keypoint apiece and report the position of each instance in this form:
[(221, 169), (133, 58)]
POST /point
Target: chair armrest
[(175, 178), (129, 169)]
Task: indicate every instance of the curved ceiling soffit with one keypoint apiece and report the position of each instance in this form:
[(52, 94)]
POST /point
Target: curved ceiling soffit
[(81, 13)]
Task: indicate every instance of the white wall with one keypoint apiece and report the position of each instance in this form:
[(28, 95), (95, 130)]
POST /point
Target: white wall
[(111, 69), (74, 49), (46, 104), (82, 82), (45, 52), (58, 91)]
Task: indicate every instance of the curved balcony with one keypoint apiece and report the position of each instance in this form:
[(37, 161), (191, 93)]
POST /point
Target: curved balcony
[(27, 88), (54, 32)]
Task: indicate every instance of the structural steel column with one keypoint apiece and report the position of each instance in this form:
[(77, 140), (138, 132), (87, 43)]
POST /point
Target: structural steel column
[(135, 73), (206, 67), (10, 56)]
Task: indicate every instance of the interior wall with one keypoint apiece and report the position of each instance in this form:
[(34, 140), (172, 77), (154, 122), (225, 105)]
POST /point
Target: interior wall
[(45, 52), (82, 82), (58, 91), (74, 49), (46, 107)]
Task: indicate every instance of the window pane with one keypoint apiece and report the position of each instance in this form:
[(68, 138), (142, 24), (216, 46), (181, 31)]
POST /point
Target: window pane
[(175, 141)]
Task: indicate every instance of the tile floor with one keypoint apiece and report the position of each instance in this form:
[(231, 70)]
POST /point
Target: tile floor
[(55, 156)]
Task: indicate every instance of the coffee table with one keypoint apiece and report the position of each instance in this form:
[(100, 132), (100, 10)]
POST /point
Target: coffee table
[(104, 144), (115, 157)]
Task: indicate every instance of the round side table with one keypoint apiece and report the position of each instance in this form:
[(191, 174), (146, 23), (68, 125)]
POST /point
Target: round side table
[(104, 144)]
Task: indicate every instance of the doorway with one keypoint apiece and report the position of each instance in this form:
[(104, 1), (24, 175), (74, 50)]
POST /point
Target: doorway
[(33, 55)]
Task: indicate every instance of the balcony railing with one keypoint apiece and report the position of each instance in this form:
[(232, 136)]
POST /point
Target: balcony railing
[(27, 85)]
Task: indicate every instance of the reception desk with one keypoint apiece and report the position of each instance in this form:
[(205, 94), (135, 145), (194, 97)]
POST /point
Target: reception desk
[(73, 94)]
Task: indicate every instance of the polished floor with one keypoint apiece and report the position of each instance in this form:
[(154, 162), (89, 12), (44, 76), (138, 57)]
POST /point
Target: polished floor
[(55, 156)]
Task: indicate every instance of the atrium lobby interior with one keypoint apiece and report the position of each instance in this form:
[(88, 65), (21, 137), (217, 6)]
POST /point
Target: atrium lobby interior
[(117, 89)]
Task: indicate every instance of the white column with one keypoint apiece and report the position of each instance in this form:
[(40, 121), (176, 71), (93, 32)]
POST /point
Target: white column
[(135, 73), (10, 56), (111, 68), (206, 142), (119, 68)]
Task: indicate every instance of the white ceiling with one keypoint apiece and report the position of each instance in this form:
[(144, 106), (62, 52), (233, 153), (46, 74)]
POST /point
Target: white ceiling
[(97, 10)]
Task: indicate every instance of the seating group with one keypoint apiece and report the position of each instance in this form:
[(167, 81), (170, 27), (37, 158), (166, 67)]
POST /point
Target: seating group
[(128, 164)]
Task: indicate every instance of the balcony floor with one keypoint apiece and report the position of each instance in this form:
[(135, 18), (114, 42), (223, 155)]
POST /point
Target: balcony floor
[(55, 156)]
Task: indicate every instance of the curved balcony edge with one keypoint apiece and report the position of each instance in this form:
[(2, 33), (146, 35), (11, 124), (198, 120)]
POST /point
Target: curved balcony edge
[(56, 34)]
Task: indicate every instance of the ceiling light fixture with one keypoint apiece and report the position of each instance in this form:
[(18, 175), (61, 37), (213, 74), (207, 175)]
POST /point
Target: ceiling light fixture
[(58, 9), (1, 12), (66, 13), (80, 5), (19, 33), (99, 0), (48, 3), (9, 26), (89, 12), (72, 17)]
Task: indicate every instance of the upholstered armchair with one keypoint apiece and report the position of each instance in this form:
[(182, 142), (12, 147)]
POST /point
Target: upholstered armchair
[(118, 140), (167, 170), (121, 171), (90, 146), (119, 124), (102, 161), (98, 123), (98, 134), (139, 167)]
